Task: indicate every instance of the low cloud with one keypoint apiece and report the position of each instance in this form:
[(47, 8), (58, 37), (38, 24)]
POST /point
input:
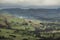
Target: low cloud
[(31, 2)]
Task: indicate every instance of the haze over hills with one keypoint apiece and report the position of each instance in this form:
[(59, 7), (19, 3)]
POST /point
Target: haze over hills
[(41, 14)]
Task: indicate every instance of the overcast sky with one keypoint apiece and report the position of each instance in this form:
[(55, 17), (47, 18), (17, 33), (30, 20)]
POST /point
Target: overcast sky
[(30, 3)]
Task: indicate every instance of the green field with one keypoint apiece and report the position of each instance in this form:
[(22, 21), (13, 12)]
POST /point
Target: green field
[(14, 28)]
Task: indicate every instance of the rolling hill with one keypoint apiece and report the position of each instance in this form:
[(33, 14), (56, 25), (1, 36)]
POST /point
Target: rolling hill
[(14, 27), (41, 14)]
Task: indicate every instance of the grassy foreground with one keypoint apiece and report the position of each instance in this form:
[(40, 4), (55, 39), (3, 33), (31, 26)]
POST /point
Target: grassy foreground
[(14, 28)]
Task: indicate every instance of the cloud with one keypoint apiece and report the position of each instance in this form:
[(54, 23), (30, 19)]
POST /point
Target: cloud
[(31, 2)]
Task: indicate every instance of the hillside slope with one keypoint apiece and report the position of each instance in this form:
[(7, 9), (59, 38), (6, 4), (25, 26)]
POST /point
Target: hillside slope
[(14, 28)]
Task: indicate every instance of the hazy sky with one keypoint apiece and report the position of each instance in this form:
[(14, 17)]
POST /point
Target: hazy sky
[(30, 3)]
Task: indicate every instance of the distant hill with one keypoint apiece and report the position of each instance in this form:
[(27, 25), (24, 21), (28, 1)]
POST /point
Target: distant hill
[(41, 14)]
